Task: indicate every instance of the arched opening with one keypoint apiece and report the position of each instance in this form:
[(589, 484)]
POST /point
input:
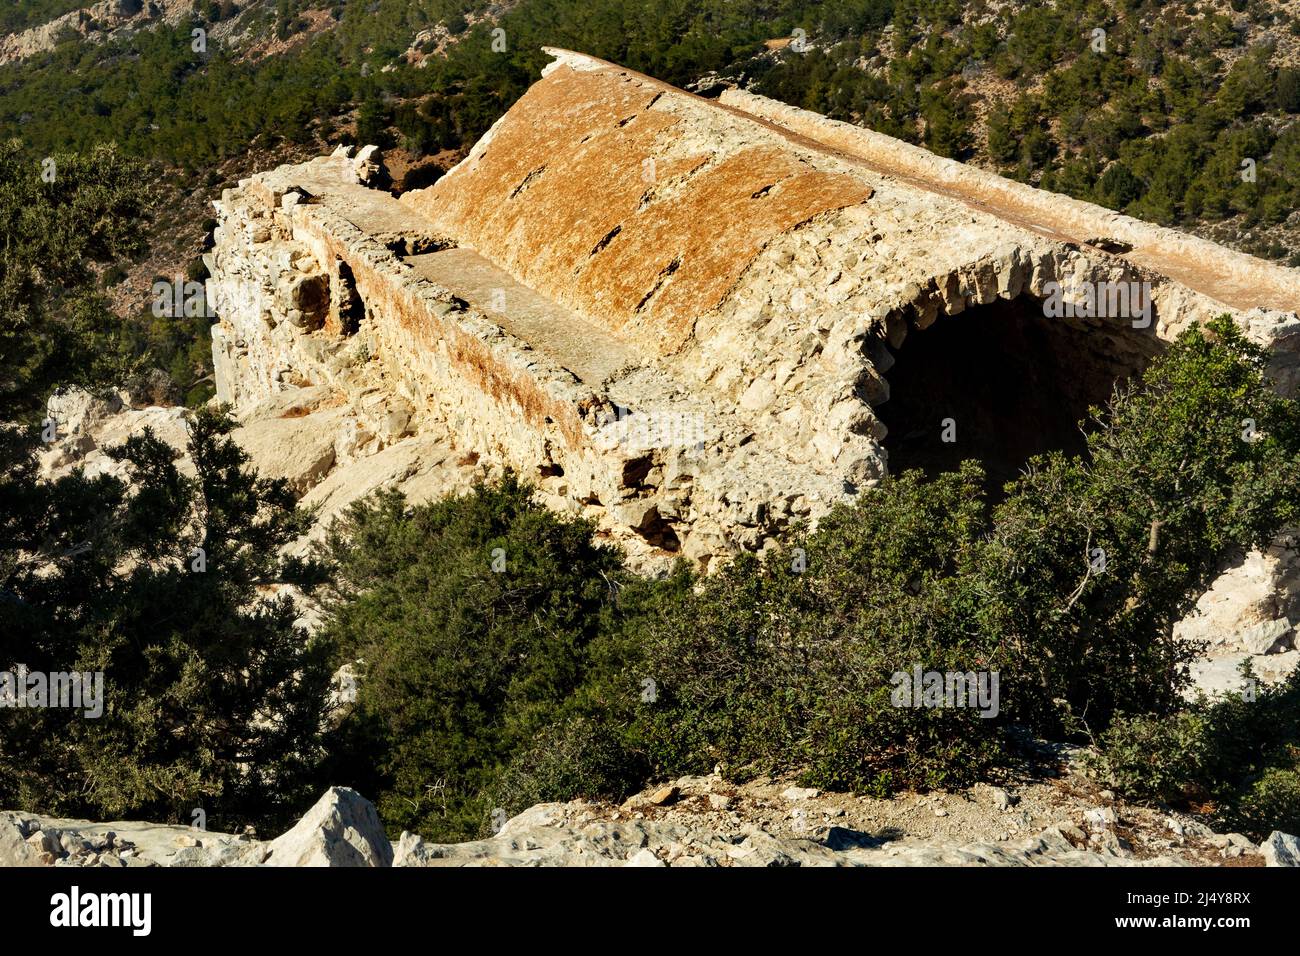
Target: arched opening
[(1001, 383)]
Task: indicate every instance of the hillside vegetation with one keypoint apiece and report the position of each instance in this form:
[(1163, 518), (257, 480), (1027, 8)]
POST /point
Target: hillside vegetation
[(505, 655), (1180, 113), (559, 675)]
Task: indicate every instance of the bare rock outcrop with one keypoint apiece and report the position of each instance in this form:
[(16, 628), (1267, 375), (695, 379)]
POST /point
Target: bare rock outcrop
[(80, 426), (1249, 616), (342, 829), (1281, 849), (94, 22), (312, 437), (705, 823)]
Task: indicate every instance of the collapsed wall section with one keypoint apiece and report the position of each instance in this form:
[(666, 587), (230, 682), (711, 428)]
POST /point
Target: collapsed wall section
[(422, 347)]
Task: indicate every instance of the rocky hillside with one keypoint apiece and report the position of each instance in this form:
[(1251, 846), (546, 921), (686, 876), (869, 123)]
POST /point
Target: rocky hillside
[(694, 822), (800, 306)]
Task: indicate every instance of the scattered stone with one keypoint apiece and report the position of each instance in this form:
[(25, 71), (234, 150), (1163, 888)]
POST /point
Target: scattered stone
[(1267, 637), (1100, 818), (72, 843), (1281, 849), (14, 848), (44, 842), (342, 829), (644, 858), (665, 795)]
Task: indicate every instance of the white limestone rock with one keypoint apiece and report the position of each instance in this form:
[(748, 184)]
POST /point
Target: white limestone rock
[(342, 829), (1281, 849)]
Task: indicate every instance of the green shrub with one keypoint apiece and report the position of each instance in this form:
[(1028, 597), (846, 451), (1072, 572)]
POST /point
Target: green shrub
[(472, 617), (572, 758), (774, 666), (1288, 90), (1233, 758), (113, 275), (57, 329), (1155, 757), (1173, 480), (1118, 187)]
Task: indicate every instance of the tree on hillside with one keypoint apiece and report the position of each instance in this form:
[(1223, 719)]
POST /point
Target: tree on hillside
[(59, 216), (471, 617), (212, 696)]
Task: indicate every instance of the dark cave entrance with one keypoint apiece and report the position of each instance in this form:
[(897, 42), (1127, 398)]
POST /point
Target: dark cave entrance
[(1014, 383)]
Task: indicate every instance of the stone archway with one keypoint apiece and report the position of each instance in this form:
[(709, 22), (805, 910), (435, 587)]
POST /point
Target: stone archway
[(1000, 383)]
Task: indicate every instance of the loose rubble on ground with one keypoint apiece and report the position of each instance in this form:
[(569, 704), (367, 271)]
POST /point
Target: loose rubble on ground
[(697, 821)]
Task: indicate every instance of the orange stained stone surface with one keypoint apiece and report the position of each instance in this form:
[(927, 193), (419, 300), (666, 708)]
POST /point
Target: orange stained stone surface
[(620, 209)]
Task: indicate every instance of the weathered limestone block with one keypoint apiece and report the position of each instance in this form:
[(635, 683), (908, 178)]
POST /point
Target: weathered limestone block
[(299, 449), (304, 299)]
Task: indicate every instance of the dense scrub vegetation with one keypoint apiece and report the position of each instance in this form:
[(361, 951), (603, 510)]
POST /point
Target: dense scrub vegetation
[(60, 217), (18, 15), (506, 657), (212, 696), (556, 674), (473, 617), (1233, 759)]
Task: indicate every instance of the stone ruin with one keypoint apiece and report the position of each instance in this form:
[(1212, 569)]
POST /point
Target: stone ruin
[(695, 321)]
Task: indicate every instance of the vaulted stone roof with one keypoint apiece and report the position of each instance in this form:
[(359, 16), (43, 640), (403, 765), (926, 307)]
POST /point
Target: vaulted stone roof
[(681, 316)]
